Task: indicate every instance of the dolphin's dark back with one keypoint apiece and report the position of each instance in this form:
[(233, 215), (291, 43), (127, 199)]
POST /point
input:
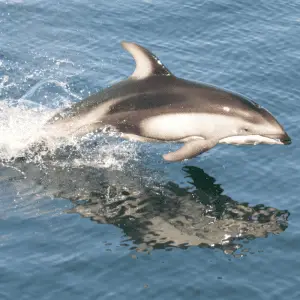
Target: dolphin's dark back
[(177, 94)]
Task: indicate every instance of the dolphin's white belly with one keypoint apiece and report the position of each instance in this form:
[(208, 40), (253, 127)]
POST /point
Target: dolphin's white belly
[(182, 125)]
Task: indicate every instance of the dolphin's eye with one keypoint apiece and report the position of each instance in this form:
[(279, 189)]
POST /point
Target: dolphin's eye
[(244, 130)]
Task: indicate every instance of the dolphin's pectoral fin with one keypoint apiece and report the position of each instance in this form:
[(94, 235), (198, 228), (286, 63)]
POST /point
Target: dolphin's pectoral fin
[(190, 150), (147, 63)]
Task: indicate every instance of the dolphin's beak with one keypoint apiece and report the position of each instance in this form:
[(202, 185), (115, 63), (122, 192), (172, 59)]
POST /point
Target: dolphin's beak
[(281, 138), (285, 139)]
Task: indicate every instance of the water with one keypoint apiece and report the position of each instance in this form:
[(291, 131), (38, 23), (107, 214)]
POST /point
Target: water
[(109, 219)]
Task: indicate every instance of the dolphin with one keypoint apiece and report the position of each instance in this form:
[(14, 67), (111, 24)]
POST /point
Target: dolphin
[(153, 105)]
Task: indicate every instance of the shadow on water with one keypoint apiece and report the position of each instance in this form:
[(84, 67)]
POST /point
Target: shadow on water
[(154, 214)]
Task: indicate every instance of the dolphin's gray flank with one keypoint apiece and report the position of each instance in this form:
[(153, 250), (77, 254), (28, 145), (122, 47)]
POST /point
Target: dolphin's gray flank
[(154, 105)]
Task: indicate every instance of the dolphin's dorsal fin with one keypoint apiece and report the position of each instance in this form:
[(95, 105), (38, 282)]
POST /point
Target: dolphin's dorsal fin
[(147, 64)]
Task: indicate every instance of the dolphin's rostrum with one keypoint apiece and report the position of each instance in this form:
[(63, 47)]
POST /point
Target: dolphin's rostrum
[(153, 105)]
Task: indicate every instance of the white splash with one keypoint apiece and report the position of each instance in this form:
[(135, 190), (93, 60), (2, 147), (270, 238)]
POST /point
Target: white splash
[(20, 126), (22, 120)]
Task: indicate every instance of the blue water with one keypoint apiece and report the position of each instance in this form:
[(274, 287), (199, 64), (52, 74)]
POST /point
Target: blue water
[(111, 219)]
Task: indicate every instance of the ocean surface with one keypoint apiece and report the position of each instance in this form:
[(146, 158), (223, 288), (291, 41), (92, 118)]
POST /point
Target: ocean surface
[(106, 218)]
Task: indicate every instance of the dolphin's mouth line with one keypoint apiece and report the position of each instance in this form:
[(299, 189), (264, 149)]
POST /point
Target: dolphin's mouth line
[(283, 139), (256, 139)]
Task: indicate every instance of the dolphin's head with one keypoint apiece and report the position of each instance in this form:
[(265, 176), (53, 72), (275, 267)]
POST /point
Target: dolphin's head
[(260, 126)]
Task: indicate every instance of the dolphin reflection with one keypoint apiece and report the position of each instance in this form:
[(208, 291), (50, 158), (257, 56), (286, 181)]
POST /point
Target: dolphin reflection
[(157, 215)]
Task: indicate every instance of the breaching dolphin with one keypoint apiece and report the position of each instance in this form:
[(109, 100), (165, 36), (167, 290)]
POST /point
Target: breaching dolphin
[(153, 105)]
